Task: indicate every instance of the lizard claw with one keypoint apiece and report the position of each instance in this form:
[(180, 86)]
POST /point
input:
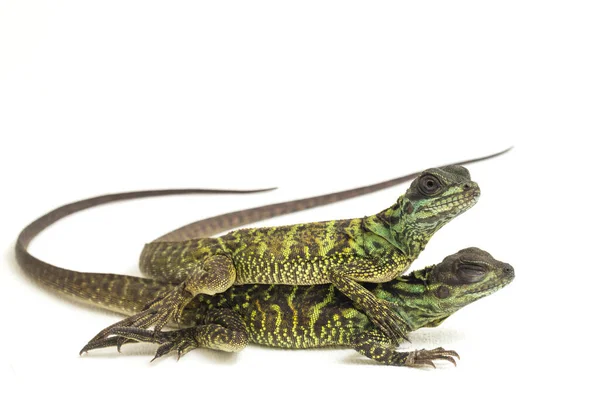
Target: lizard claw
[(420, 358), (102, 343)]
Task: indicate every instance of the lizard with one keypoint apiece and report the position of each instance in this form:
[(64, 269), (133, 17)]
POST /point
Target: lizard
[(53, 276), (316, 316), (346, 253)]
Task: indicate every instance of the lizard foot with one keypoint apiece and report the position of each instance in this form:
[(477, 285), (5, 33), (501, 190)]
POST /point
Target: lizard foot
[(182, 340), (158, 313), (425, 358)]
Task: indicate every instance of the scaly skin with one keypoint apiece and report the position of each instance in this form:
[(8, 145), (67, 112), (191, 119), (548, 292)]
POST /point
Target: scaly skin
[(296, 317), (371, 249)]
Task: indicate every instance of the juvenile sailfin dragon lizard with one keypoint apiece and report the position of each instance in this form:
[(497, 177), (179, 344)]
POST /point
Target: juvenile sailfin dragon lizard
[(314, 316)]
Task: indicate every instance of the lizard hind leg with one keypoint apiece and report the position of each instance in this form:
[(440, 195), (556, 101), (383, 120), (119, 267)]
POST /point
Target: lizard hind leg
[(220, 329), (215, 275)]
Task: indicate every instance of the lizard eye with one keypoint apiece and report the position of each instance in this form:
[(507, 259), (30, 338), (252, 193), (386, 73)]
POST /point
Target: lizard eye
[(470, 273), (429, 185)]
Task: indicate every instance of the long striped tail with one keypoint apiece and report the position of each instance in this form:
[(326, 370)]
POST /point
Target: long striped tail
[(120, 293)]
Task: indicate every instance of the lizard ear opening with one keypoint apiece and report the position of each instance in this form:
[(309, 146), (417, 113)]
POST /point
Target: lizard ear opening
[(442, 292)]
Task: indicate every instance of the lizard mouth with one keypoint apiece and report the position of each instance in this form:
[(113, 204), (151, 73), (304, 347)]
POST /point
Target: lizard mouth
[(462, 201), (491, 287)]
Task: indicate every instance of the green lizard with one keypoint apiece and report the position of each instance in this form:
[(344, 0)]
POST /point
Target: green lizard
[(56, 277), (344, 252), (319, 316)]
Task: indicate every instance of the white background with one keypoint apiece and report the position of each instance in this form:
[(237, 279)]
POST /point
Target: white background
[(313, 97)]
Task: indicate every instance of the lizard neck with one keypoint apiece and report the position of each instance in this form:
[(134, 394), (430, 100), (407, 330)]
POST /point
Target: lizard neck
[(408, 293), (398, 228)]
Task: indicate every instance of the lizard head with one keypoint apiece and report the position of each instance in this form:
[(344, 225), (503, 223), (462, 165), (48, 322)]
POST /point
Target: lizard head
[(436, 196), (458, 280), (433, 199)]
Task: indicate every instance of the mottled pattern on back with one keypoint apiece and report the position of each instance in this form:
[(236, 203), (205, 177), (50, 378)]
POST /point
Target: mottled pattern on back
[(293, 254), (288, 316)]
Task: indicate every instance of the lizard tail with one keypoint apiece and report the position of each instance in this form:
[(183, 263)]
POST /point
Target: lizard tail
[(123, 294), (119, 293)]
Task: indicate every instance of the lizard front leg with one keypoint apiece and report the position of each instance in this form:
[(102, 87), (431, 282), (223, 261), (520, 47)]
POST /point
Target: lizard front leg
[(378, 347), (345, 278), (220, 329), (216, 274)]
